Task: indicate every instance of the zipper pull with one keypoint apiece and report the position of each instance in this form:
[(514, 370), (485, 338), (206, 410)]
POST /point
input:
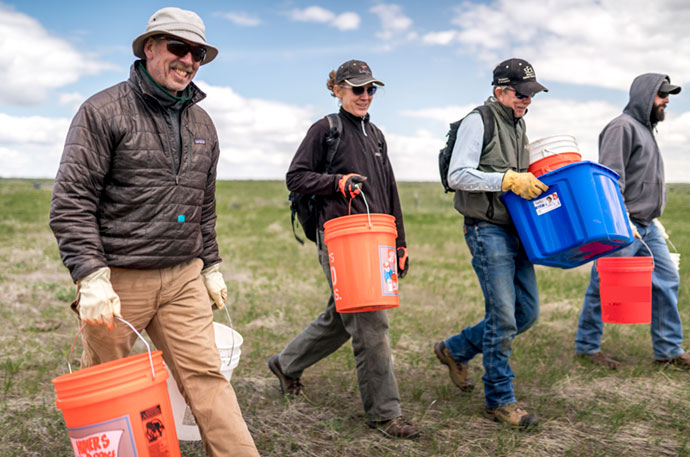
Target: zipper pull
[(177, 180), (363, 130)]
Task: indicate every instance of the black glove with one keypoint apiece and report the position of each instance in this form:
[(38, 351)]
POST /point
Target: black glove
[(348, 185), (403, 262)]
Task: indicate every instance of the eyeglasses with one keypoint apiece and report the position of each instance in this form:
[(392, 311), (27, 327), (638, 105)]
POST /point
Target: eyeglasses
[(518, 94), (663, 94), (180, 49), (359, 90)]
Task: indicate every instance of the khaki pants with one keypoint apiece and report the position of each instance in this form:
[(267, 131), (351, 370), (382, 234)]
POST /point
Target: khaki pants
[(172, 305)]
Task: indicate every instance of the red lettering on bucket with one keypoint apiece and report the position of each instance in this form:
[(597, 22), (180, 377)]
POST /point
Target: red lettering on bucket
[(103, 444)]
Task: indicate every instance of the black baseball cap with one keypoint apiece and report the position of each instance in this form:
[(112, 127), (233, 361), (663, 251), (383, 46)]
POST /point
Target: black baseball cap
[(518, 74), (668, 88), (356, 73)]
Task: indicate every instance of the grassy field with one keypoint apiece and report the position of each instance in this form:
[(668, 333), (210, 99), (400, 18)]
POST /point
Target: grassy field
[(276, 287)]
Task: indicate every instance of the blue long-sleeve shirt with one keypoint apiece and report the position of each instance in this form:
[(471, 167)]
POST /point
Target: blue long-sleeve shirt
[(462, 171)]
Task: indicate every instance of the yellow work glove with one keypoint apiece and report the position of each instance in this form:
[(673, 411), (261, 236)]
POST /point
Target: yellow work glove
[(215, 285), (526, 185), (661, 228), (633, 228), (98, 302)]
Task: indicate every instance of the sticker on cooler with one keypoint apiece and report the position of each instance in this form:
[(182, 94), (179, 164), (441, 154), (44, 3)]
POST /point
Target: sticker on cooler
[(104, 439), (547, 204), (388, 265)]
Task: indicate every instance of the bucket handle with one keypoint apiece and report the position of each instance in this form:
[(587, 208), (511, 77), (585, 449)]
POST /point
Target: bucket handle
[(650, 252), (227, 313), (349, 206), (148, 348)]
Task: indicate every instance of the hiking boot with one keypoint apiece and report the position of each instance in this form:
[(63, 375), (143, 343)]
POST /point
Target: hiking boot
[(511, 414), (397, 428), (600, 359), (459, 372), (682, 361), (288, 385)]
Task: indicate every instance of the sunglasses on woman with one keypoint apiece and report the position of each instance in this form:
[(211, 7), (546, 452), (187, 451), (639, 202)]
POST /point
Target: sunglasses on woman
[(359, 90), (180, 49)]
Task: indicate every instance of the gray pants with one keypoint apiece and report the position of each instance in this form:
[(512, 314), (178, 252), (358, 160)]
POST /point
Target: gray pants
[(369, 332)]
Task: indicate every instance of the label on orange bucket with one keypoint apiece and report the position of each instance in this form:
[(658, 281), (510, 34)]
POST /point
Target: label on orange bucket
[(155, 432), (547, 204), (389, 270), (112, 438)]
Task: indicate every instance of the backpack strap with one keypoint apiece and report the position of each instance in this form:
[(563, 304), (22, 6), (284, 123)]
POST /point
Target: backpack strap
[(333, 139), (488, 121)]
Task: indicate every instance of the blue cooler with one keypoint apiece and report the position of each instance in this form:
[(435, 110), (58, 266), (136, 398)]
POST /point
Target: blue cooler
[(580, 218)]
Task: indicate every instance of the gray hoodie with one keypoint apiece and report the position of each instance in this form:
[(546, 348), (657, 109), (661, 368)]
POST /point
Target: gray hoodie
[(627, 146)]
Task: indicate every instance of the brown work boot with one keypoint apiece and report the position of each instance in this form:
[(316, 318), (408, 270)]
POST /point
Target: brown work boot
[(511, 414), (288, 385), (682, 361), (459, 372), (397, 428), (600, 359)]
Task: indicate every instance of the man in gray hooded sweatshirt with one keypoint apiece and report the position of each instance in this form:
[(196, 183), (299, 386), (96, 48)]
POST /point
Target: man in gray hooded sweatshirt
[(627, 145)]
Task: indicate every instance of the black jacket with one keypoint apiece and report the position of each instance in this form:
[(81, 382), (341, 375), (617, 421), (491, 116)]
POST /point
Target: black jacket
[(362, 150)]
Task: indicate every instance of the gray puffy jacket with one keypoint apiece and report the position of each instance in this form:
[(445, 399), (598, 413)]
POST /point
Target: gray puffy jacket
[(117, 200)]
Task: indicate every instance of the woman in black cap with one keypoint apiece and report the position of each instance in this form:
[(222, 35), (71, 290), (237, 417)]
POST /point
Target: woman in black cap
[(361, 159)]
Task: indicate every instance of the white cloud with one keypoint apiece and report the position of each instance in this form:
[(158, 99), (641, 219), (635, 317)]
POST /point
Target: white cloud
[(418, 154), (36, 62), (241, 18), (257, 137), (344, 21), (440, 38), (601, 43), (31, 146), (394, 23)]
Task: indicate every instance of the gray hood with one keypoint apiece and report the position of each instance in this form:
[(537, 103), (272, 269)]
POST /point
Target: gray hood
[(642, 92)]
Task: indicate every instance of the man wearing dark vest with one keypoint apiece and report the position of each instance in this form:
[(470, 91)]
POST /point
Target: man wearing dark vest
[(480, 175)]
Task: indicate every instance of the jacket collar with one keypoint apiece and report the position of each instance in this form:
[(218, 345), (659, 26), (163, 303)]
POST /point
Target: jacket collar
[(137, 79), (353, 118)]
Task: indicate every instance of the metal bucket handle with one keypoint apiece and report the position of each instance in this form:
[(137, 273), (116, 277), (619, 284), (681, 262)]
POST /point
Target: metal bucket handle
[(148, 348)]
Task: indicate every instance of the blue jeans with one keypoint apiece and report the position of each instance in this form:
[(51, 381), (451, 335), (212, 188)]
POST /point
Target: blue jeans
[(666, 328), (511, 304)]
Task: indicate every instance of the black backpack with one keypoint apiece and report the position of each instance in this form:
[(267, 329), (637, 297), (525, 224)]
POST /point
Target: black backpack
[(305, 206), (447, 152)]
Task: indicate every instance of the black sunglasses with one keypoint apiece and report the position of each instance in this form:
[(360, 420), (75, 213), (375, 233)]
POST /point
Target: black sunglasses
[(359, 90), (518, 94), (180, 49)]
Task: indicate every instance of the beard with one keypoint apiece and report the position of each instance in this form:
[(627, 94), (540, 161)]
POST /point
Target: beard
[(658, 114)]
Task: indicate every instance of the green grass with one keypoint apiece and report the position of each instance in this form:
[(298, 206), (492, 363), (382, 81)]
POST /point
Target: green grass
[(276, 287)]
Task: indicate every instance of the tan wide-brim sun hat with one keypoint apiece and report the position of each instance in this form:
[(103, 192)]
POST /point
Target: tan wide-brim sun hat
[(183, 24)]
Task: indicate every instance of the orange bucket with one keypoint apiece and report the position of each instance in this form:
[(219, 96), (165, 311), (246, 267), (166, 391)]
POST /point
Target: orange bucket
[(625, 289), (363, 259), (119, 408), (553, 162)]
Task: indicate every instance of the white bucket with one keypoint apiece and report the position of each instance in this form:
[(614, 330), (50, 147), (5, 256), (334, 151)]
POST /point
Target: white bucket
[(228, 342), (550, 145), (675, 258)]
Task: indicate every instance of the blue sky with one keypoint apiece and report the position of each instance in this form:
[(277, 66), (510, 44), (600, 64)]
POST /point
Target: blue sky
[(268, 83)]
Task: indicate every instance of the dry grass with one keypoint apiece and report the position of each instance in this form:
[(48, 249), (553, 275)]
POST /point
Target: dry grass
[(277, 287)]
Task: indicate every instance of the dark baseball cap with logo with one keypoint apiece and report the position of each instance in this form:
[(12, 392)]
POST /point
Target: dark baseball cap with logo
[(356, 73), (518, 74), (668, 88)]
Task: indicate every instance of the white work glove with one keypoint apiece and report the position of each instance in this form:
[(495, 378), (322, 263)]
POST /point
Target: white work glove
[(661, 228), (633, 228), (215, 285), (98, 302)]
